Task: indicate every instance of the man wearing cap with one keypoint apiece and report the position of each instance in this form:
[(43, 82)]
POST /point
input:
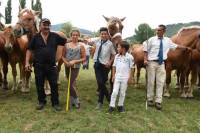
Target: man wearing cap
[(44, 46)]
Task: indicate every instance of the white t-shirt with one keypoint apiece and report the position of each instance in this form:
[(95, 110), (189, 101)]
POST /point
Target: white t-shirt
[(123, 64)]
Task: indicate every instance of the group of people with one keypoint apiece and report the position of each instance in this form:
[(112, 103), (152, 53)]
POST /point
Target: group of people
[(48, 47)]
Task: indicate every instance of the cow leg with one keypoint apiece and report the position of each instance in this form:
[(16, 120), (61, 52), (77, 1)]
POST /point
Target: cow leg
[(168, 81), (138, 74), (14, 74), (27, 81), (19, 85), (23, 88), (193, 82), (182, 81), (177, 79), (187, 79), (1, 76), (198, 85), (5, 71)]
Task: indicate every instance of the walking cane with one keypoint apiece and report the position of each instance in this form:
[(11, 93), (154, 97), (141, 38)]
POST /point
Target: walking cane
[(147, 35), (146, 88), (68, 91)]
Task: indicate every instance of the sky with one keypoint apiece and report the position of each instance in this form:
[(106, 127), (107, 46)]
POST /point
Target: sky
[(87, 14)]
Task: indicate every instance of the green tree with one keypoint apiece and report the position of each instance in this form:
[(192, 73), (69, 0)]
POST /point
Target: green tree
[(37, 6), (142, 33), (22, 3), (67, 28), (8, 10), (95, 33)]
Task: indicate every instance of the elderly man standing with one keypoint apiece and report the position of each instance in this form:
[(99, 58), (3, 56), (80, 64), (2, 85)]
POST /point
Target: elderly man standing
[(44, 47), (155, 50)]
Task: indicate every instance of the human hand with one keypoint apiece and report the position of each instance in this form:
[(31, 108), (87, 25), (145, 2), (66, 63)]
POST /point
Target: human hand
[(107, 65), (28, 67), (71, 63), (113, 79), (145, 62)]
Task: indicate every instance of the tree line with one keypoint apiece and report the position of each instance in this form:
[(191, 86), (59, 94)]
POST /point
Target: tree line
[(142, 32)]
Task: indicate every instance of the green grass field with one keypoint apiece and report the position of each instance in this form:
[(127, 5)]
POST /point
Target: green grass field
[(18, 114)]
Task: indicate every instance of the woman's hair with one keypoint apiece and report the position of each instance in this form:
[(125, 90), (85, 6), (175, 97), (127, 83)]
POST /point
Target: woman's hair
[(125, 44), (75, 30)]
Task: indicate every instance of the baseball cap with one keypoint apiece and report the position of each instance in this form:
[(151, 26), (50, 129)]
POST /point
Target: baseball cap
[(45, 20)]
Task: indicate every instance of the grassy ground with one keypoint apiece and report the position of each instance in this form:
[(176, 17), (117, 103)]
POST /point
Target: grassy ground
[(18, 114)]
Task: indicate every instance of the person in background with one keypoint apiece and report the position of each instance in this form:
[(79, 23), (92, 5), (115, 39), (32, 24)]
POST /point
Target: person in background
[(87, 49), (73, 56), (122, 65)]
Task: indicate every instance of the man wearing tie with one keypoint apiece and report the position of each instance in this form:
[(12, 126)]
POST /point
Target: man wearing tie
[(103, 58), (155, 50)]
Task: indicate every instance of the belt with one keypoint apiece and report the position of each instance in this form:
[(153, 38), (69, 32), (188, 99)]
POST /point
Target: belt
[(157, 60)]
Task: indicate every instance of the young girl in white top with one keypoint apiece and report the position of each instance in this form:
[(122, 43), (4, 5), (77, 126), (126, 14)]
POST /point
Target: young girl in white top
[(122, 65)]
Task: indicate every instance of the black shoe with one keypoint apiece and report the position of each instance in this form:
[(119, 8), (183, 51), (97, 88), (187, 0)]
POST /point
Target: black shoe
[(158, 106), (121, 109), (150, 103), (57, 108), (99, 106), (111, 109), (40, 106)]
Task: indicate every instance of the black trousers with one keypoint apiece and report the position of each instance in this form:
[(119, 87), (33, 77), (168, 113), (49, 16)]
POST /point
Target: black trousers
[(101, 73), (49, 72)]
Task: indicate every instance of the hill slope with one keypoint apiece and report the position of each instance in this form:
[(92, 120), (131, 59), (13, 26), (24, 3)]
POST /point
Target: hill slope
[(57, 27)]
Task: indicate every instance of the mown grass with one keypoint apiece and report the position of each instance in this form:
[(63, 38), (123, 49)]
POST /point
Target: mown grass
[(18, 114)]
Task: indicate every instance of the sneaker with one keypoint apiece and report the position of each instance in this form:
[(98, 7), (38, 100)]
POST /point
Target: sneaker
[(99, 106), (150, 103), (158, 106), (111, 109), (40, 106), (57, 108), (121, 109), (78, 105), (97, 93)]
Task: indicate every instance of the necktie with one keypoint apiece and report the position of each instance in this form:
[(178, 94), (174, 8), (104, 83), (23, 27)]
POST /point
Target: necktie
[(99, 51), (160, 53)]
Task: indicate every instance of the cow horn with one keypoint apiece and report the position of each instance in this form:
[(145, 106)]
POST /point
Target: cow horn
[(106, 18)]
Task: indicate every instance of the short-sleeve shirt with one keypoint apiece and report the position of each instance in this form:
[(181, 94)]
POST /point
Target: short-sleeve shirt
[(123, 64), (152, 46), (87, 49), (45, 53), (106, 52)]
